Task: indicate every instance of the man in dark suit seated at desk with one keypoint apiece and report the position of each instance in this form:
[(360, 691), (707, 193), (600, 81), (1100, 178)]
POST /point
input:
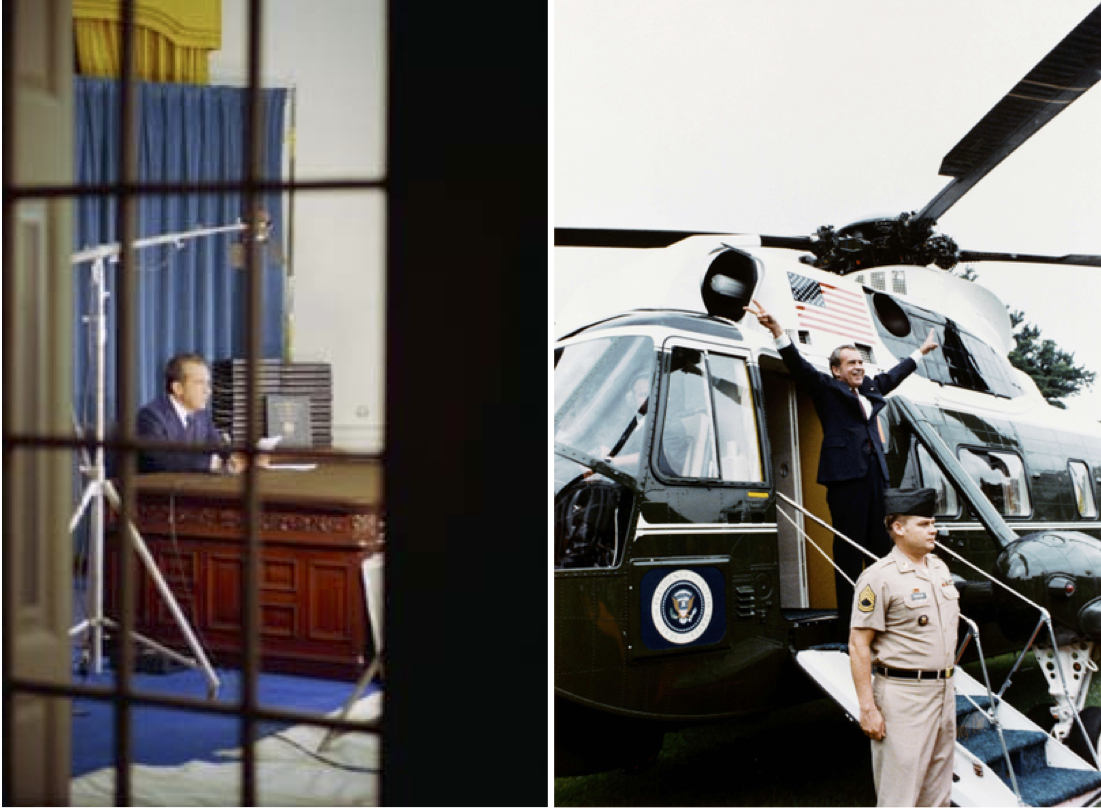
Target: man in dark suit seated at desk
[(179, 415)]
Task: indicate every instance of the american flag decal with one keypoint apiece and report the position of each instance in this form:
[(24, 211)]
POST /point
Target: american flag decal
[(823, 307)]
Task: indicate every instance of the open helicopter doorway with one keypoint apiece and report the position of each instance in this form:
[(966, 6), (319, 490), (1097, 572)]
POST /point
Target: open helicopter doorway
[(806, 577)]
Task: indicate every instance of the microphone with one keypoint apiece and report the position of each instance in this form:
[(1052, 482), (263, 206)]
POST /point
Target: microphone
[(257, 231)]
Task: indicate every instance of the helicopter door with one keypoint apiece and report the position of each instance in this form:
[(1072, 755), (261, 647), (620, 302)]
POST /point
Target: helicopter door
[(781, 414)]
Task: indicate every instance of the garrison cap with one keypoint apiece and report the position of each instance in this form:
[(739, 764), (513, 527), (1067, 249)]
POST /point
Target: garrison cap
[(911, 501)]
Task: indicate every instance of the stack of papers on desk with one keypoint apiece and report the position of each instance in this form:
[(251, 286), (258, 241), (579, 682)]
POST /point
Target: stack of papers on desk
[(267, 444)]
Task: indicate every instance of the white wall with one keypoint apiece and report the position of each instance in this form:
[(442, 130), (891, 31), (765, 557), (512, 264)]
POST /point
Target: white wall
[(332, 53)]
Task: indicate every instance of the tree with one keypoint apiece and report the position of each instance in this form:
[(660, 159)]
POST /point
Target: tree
[(1053, 370)]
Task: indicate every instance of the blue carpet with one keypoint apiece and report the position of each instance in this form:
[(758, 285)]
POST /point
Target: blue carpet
[(1052, 786), (1039, 783), (164, 736)]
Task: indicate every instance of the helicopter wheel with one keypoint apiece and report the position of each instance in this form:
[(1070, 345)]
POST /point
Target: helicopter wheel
[(1091, 720)]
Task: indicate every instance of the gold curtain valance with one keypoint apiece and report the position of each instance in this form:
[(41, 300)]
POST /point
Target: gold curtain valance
[(172, 38)]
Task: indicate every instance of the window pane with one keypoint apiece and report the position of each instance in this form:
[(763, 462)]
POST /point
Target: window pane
[(932, 477), (739, 451), (601, 392), (688, 438), (1083, 489), (1001, 476)]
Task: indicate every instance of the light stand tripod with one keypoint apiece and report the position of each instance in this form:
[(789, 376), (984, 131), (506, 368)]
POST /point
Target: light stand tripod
[(99, 487)]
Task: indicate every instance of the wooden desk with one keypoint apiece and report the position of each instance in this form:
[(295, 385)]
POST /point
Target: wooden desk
[(316, 529)]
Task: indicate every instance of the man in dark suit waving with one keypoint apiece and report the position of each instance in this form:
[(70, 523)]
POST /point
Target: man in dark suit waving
[(179, 415), (851, 464)]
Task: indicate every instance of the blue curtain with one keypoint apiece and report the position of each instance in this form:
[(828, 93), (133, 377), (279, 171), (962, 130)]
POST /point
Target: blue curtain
[(190, 298)]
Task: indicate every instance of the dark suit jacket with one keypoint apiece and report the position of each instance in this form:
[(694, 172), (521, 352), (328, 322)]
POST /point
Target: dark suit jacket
[(848, 437), (158, 420)]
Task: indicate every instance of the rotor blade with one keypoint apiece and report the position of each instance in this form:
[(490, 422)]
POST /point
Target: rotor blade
[(583, 237), (588, 237), (789, 242), (1078, 260), (1071, 68)]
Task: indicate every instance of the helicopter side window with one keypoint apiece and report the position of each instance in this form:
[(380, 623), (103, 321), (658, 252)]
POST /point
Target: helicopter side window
[(962, 367), (1001, 476), (710, 426), (1083, 489), (948, 503), (963, 361), (687, 435), (736, 417)]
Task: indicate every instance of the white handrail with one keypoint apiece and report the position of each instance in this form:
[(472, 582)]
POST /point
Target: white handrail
[(830, 528), (1045, 619), (816, 547)]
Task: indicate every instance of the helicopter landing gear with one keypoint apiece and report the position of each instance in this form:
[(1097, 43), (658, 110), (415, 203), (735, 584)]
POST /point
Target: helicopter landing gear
[(1078, 664), (1080, 744)]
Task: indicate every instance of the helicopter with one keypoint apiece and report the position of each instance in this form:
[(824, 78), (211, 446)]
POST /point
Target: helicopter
[(692, 579)]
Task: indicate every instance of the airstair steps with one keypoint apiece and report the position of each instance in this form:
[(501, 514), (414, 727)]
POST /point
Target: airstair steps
[(1053, 785), (1040, 784), (1047, 772)]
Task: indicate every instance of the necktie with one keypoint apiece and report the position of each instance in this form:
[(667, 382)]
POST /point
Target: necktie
[(860, 401)]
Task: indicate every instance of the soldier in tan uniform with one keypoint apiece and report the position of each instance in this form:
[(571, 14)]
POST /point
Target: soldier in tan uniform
[(904, 620)]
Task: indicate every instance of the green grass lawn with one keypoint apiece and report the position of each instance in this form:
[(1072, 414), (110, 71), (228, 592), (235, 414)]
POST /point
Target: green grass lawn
[(808, 754)]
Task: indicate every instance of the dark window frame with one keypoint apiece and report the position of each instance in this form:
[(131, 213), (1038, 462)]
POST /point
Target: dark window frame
[(248, 711)]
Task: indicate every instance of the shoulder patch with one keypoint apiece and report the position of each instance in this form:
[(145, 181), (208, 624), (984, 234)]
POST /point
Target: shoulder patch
[(866, 601)]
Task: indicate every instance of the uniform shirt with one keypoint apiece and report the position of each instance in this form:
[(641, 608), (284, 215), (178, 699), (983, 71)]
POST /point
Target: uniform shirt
[(913, 610)]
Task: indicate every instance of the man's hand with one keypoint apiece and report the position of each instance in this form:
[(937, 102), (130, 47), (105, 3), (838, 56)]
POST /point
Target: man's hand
[(236, 463), (930, 343), (860, 661), (872, 723), (765, 319)]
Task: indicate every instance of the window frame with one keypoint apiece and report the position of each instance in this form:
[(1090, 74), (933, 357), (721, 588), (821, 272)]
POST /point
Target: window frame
[(922, 452), (1023, 478), (1090, 488), (707, 348), (247, 710)]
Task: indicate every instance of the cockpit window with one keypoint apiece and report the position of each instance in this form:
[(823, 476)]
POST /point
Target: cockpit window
[(602, 396), (710, 427), (1001, 476)]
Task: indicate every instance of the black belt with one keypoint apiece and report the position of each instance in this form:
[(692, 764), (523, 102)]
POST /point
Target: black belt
[(899, 673)]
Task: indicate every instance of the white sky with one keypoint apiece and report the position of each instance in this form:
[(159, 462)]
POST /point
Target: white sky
[(778, 116)]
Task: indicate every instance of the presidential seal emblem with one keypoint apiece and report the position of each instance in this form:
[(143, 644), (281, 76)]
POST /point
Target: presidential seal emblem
[(681, 607)]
